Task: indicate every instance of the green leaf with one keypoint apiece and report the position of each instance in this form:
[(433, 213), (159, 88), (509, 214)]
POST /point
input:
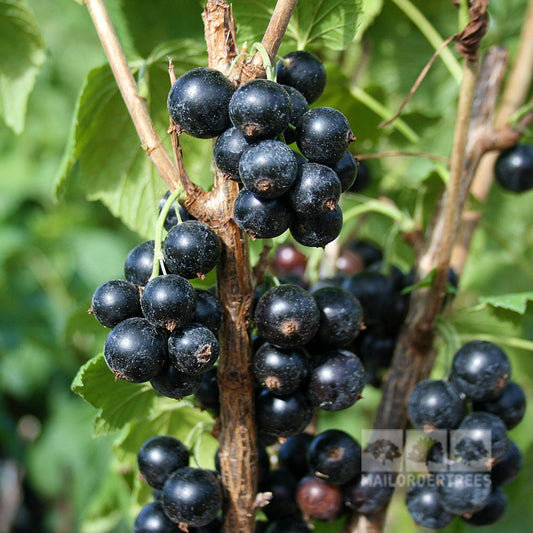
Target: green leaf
[(23, 53), (314, 24), (370, 10), (512, 302), (118, 402)]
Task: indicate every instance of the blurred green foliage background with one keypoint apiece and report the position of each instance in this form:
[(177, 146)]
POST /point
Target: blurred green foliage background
[(54, 250)]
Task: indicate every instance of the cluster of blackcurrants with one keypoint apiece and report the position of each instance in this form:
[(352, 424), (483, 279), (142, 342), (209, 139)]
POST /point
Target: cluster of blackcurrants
[(164, 330), (481, 403), (254, 124), (185, 498), (514, 168)]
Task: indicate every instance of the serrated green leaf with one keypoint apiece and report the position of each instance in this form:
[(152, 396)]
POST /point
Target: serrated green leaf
[(370, 10), (118, 402), (23, 53), (512, 302), (314, 24)]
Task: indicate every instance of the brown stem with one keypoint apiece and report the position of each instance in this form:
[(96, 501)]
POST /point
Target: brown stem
[(277, 27), (136, 105)]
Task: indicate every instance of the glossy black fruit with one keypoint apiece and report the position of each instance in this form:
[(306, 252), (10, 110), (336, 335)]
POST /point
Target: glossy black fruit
[(208, 310), (282, 417), (135, 350), (303, 71), (159, 457), (214, 526), (341, 316), (208, 392), (289, 260), (336, 381), (335, 456), (346, 170), (228, 150), (282, 484), (299, 106), (152, 519), (292, 454), (425, 506), (507, 469), (172, 383), (261, 218), (362, 178), (324, 135), (268, 168), (316, 189), (287, 316), (514, 168), (280, 371), (176, 209), (193, 348), (317, 230), (191, 249), (492, 512), (319, 499), (480, 370), (198, 102), (192, 496), (464, 492), (369, 493), (435, 404), (510, 405), (261, 109), (288, 525), (139, 263), (114, 301), (168, 301)]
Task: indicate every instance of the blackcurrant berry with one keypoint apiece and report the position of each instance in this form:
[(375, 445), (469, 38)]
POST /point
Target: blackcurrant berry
[(369, 493), (514, 168), (292, 454), (324, 135), (425, 506), (282, 484), (362, 178), (135, 350), (319, 499), (279, 371), (114, 301), (507, 469), (159, 457), (198, 102), (192, 496), (335, 456), (172, 216), (480, 370), (261, 218), (316, 189), (317, 230), (299, 106), (215, 526), (368, 252), (139, 263), (341, 316), (168, 301), (287, 316), (303, 71), (208, 392), (288, 525), (492, 512), (346, 169), (268, 168), (172, 383), (228, 150), (208, 310), (193, 348), (261, 109), (464, 492), (282, 417), (435, 404), (191, 249), (152, 519), (289, 260), (336, 381)]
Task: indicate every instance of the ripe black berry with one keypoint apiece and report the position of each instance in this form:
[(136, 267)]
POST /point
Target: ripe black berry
[(215, 526), (268, 168), (152, 519), (510, 406), (319, 499), (261, 218), (193, 348), (425, 506), (514, 168), (292, 454), (198, 101), (139, 263), (507, 469), (335, 456), (172, 216), (464, 492), (435, 404), (172, 383), (299, 106), (289, 260), (168, 301), (191, 249), (282, 417), (208, 310), (288, 525), (192, 496), (135, 350), (228, 150), (261, 109), (324, 135), (287, 316), (303, 71), (317, 230), (336, 381), (341, 316), (368, 493), (282, 484), (316, 189), (114, 301), (208, 392), (492, 512), (346, 169), (159, 457), (362, 178), (480, 370)]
